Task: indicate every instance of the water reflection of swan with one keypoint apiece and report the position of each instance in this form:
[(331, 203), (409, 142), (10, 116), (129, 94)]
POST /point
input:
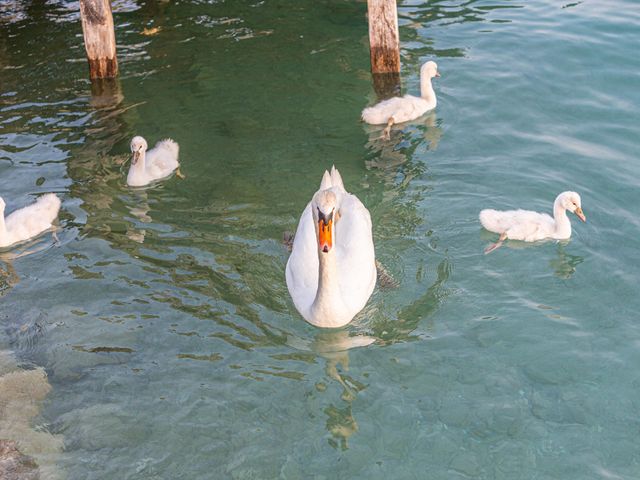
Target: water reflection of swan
[(391, 154), (334, 347), (140, 210), (387, 331), (8, 276), (564, 266)]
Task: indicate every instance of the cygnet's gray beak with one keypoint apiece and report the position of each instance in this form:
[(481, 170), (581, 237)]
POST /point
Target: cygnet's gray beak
[(437, 73), (136, 156)]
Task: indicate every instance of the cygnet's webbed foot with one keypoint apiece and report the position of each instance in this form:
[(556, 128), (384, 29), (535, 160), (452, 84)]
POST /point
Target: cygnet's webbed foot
[(386, 133), (56, 240), (179, 174), (287, 240), (498, 244), (385, 279)]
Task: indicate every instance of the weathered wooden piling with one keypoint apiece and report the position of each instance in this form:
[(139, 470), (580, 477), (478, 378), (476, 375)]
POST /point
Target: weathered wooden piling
[(384, 45), (99, 38)]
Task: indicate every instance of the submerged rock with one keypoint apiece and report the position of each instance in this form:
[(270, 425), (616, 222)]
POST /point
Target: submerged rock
[(21, 395), (14, 465)]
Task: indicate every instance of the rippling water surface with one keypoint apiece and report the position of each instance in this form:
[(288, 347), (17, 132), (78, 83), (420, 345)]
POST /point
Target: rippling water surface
[(162, 318)]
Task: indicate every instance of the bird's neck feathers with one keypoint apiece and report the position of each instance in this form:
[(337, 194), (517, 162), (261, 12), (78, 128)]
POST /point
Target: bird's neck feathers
[(563, 224), (142, 161), (327, 276), (426, 89), (139, 167), (327, 308)]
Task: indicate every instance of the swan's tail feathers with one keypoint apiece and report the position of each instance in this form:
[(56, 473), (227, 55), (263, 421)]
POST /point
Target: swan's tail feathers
[(336, 178), (48, 206), (369, 116), (493, 220), (287, 240), (170, 145)]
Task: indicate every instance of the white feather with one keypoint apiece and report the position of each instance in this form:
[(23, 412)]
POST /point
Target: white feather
[(353, 256), (409, 107), (155, 164), (531, 226), (29, 221)]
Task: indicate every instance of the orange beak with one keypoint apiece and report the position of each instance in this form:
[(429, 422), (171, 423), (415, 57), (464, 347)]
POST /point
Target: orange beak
[(325, 242), (580, 214)]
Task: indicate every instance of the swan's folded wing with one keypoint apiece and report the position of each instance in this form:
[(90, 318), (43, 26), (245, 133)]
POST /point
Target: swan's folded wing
[(163, 158), (355, 251), (302, 266), (380, 113), (527, 225)]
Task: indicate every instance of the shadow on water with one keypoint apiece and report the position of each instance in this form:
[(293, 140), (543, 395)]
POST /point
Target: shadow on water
[(564, 264)]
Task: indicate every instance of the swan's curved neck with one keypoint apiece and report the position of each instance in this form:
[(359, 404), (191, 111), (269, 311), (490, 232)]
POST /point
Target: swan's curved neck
[(563, 224), (328, 305), (426, 89), (141, 163), (138, 169)]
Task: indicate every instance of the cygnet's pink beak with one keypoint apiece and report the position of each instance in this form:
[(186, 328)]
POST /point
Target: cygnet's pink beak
[(580, 214)]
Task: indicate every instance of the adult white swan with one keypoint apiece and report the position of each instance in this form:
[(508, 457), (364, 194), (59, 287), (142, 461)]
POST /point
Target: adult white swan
[(331, 272), (29, 221), (531, 226), (157, 163), (403, 109)]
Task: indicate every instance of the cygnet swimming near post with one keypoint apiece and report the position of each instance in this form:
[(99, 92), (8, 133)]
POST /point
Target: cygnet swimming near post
[(155, 164), (403, 109)]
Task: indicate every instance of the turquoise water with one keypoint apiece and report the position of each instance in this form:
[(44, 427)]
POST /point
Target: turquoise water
[(162, 317)]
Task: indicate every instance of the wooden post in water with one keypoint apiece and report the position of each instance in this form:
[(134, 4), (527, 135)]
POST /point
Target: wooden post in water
[(384, 45), (99, 38)]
